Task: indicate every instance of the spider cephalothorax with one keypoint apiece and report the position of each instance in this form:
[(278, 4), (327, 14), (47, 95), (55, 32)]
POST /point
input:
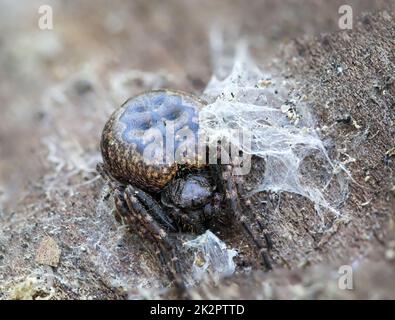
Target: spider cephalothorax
[(192, 202), (161, 185)]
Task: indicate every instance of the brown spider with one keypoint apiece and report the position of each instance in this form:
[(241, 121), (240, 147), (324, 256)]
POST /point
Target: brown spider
[(156, 199)]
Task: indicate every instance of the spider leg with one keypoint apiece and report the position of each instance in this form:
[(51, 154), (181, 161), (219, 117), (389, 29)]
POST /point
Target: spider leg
[(154, 208), (148, 202), (260, 223), (112, 182), (130, 220), (131, 210), (138, 215), (231, 194)]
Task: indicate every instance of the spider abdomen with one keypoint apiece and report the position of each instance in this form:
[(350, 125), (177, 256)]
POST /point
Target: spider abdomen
[(142, 140)]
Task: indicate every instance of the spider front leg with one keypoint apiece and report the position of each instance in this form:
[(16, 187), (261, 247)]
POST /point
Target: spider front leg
[(149, 202), (133, 210), (232, 196), (142, 214)]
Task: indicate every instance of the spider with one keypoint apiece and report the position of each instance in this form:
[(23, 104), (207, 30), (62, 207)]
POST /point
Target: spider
[(157, 197)]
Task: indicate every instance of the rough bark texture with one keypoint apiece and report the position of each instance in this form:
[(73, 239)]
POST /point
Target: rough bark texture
[(58, 88)]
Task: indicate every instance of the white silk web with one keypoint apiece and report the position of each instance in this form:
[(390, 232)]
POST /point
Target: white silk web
[(281, 126)]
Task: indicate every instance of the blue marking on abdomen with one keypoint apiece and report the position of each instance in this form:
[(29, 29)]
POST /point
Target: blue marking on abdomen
[(154, 112)]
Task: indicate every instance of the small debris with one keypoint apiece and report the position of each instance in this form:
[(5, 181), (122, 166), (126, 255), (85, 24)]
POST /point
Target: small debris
[(346, 119), (355, 124), (390, 254), (291, 113), (48, 253), (366, 203), (31, 288), (83, 86), (265, 83), (388, 155), (390, 152)]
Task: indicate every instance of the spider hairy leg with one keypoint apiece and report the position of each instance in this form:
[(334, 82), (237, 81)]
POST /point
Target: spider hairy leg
[(161, 240), (232, 195)]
